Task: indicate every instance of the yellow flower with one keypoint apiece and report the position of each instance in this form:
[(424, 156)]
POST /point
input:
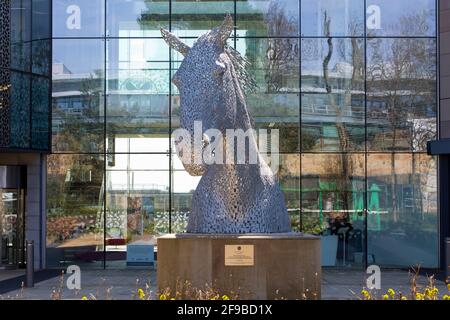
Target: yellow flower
[(448, 287), (141, 293), (172, 298), (162, 297), (391, 292), (419, 296), (385, 297), (446, 297), (84, 298), (404, 298), (225, 297)]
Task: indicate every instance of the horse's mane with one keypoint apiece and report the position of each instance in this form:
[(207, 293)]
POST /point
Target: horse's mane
[(241, 65)]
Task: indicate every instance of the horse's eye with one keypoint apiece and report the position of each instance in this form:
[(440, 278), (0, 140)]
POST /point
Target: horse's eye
[(218, 72), (220, 69)]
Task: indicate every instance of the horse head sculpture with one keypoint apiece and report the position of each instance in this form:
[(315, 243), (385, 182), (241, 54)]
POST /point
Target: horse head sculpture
[(236, 195)]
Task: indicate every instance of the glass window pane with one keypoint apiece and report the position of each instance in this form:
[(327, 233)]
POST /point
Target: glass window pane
[(40, 62), (275, 103), (183, 187), (288, 175), (333, 100), (325, 18), (333, 205), (138, 161), (137, 206), (41, 19), (20, 110), (75, 210), (78, 18), (136, 18), (40, 106), (194, 18), (401, 18), (138, 94), (78, 82), (402, 204), (20, 21), (401, 94), (267, 18), (20, 35), (20, 56)]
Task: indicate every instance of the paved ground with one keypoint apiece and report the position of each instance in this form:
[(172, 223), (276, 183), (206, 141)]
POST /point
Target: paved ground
[(123, 284)]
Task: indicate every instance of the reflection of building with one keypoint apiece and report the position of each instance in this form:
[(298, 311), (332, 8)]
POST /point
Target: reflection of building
[(354, 115)]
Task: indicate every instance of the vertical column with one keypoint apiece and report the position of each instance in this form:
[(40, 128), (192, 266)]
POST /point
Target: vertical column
[(444, 68), (444, 123), (34, 206)]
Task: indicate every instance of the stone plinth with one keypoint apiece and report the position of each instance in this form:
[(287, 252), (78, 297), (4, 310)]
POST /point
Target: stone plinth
[(285, 266)]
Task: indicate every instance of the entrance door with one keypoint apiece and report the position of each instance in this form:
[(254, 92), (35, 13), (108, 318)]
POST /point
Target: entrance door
[(11, 228)]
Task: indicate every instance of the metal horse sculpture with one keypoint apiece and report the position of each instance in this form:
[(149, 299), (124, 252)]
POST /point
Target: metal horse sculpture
[(231, 198)]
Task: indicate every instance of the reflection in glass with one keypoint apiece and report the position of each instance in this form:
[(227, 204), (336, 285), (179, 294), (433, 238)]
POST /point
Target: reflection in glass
[(274, 64), (136, 18), (137, 203), (75, 210), (20, 16), (138, 92), (288, 174), (41, 50), (20, 110), (124, 103), (40, 120), (20, 35), (333, 205), (20, 56), (41, 19), (401, 94), (267, 18), (401, 18), (193, 18), (328, 18), (78, 18), (402, 204), (333, 94), (78, 88)]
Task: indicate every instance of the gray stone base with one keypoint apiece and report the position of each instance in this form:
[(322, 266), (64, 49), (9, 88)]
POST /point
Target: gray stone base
[(286, 266)]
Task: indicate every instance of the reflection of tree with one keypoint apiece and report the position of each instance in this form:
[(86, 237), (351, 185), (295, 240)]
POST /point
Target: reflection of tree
[(401, 76), (344, 139), (74, 182), (281, 53), (82, 131)]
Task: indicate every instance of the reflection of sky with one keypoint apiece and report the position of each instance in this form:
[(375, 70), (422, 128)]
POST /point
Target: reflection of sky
[(392, 10), (341, 13), (84, 56), (79, 55)]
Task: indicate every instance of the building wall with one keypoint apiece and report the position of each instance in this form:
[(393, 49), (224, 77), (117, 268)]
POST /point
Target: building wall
[(352, 135), (25, 75)]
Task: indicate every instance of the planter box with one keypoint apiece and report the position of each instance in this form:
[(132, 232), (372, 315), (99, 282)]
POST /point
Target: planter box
[(329, 246)]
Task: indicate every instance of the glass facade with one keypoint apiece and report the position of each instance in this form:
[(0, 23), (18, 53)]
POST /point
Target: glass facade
[(350, 84), (25, 50)]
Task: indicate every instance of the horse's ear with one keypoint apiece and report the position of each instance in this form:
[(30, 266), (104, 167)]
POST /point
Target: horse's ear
[(174, 42), (225, 29)]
